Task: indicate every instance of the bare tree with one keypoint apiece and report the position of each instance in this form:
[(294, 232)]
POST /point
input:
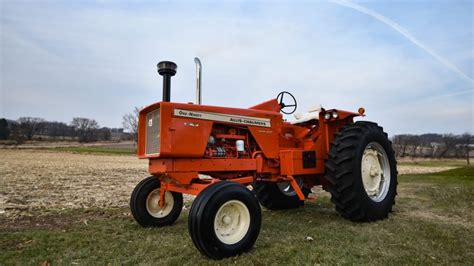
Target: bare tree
[(4, 129), (400, 143), (86, 129), (433, 145), (415, 143), (15, 133), (449, 142), (465, 144), (29, 126), (54, 129), (130, 122), (64, 131), (105, 133)]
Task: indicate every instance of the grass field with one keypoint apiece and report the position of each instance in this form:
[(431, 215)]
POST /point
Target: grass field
[(434, 163), (432, 223)]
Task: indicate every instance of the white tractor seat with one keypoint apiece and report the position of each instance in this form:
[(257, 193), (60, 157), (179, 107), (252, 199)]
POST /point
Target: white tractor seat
[(313, 113)]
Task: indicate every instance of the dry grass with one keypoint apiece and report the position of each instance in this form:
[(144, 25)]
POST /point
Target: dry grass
[(33, 179)]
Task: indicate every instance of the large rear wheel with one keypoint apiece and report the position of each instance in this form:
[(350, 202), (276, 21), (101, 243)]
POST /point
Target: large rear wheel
[(361, 169)]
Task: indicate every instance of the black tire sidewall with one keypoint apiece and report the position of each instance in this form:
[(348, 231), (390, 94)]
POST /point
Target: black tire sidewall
[(138, 204), (377, 209), (210, 213), (205, 233)]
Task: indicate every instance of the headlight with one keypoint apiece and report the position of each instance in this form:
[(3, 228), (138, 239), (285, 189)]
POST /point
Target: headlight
[(335, 115), (327, 116)]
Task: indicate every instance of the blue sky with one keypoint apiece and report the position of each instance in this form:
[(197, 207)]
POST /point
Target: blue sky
[(61, 59)]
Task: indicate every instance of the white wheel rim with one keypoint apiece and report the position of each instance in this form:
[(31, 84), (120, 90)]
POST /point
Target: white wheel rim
[(153, 204), (287, 189), (375, 170), (232, 222)]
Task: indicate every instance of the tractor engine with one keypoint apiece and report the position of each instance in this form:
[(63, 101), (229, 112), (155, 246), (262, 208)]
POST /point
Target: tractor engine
[(229, 142)]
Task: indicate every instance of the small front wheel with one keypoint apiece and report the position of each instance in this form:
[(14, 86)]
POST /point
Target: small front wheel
[(145, 207), (224, 220)]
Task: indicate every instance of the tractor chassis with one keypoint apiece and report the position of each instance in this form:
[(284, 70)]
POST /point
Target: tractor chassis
[(187, 182)]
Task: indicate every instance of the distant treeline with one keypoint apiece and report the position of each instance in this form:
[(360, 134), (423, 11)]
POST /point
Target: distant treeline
[(81, 129), (433, 145), (88, 130)]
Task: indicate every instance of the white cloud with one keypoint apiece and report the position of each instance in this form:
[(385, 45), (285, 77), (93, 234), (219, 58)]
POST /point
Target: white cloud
[(100, 62), (397, 27)]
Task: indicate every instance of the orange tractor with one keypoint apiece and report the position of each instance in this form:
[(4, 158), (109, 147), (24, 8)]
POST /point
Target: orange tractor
[(218, 153)]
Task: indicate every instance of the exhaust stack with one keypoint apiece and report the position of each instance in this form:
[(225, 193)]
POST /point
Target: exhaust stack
[(198, 80), (167, 69)]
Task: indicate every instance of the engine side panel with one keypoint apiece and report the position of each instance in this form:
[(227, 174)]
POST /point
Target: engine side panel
[(186, 128)]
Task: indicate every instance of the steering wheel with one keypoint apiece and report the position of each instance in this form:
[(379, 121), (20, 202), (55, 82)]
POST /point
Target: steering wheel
[(283, 105)]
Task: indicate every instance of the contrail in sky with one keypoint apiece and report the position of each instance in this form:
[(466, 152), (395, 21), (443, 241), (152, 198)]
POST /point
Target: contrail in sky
[(406, 34)]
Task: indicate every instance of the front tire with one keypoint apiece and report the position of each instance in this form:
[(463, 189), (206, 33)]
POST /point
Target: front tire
[(361, 169), (144, 204), (224, 220)]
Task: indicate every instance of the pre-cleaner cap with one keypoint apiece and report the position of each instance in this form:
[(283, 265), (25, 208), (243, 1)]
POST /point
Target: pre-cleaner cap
[(167, 68)]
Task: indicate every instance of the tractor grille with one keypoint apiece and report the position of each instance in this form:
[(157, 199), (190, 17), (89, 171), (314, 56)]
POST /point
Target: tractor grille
[(153, 132)]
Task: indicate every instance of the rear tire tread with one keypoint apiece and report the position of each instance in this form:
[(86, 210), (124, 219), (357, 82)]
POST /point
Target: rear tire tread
[(342, 157)]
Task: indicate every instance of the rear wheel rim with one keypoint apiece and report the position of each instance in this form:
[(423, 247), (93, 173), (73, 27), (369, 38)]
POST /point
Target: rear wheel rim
[(287, 189), (375, 171), (153, 204), (232, 222)]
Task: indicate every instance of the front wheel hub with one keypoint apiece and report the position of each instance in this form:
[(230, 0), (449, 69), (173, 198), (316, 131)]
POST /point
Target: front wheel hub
[(232, 222), (153, 204)]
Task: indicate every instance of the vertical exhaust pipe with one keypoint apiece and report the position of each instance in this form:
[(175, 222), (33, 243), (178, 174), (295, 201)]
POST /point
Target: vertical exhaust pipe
[(198, 80), (167, 69)]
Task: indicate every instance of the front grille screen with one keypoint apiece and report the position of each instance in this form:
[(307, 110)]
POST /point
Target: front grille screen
[(153, 132)]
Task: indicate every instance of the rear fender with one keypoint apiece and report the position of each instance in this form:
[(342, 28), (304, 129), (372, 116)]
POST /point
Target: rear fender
[(329, 127)]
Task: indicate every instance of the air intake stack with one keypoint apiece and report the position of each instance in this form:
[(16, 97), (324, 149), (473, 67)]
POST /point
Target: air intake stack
[(167, 69)]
